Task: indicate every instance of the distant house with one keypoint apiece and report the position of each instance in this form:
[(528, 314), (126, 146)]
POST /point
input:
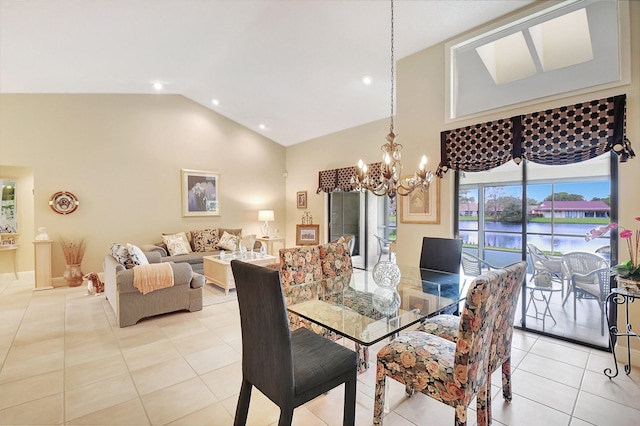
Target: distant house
[(471, 209), (468, 209), (571, 209)]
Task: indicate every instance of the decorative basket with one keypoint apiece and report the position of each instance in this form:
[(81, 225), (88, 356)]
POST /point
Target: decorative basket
[(629, 285)]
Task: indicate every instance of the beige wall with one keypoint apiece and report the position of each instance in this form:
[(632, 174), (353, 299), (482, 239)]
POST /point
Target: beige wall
[(121, 155), (420, 119)]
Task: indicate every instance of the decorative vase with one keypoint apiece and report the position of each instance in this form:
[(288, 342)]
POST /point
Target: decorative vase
[(629, 285), (73, 275)]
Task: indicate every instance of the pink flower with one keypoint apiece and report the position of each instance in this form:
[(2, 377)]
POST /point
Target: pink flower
[(627, 233)]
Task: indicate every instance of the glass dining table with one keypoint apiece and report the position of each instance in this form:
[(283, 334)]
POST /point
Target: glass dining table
[(355, 307)]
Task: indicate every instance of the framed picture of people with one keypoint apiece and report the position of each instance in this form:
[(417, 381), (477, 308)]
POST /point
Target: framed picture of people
[(200, 191)]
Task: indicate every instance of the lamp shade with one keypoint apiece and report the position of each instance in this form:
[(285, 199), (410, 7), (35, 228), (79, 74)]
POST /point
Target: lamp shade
[(266, 215)]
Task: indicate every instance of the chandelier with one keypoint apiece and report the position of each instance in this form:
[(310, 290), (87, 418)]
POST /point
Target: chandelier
[(391, 181)]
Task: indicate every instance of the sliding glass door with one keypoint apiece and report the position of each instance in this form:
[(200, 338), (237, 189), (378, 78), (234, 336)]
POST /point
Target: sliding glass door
[(507, 212)]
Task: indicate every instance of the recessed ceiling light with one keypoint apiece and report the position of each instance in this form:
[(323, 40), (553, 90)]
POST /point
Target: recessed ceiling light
[(263, 126), (215, 102), (366, 79), (157, 85)]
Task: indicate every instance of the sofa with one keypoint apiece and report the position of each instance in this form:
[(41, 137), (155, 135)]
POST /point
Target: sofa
[(130, 305), (197, 244)]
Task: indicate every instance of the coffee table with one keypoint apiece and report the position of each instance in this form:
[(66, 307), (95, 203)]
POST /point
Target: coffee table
[(218, 271)]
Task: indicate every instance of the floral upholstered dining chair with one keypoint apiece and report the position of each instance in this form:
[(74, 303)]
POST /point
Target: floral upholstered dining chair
[(446, 326), (452, 373), (300, 275)]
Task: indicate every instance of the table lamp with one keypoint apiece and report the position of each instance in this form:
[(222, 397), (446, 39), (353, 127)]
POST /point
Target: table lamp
[(265, 216)]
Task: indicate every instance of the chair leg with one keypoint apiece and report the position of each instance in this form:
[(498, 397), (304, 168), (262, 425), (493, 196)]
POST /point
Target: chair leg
[(461, 415), (286, 416), (506, 380), (349, 417), (483, 403), (242, 408), (575, 302), (378, 405)]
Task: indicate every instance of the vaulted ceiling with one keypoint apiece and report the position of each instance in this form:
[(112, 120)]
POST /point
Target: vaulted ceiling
[(295, 67)]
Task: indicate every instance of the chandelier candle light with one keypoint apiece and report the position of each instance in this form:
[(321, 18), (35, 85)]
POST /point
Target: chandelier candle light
[(391, 182)]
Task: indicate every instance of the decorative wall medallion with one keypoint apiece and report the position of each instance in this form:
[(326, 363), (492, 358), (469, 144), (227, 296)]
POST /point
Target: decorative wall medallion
[(64, 202)]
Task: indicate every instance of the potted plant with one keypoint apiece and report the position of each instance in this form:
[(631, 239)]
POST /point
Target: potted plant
[(73, 254), (627, 273)]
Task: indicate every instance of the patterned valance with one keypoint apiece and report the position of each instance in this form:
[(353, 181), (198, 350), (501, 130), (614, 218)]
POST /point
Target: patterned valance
[(477, 148), (340, 179), (564, 135)]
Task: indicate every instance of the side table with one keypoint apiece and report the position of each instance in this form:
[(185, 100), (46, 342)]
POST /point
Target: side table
[(544, 298), (42, 256), (12, 248), (620, 296), (269, 242)]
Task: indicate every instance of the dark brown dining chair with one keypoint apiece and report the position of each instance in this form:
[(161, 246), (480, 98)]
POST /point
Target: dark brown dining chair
[(441, 254), (289, 368)]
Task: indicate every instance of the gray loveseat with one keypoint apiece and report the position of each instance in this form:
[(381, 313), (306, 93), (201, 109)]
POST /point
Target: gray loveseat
[(194, 258), (130, 305)]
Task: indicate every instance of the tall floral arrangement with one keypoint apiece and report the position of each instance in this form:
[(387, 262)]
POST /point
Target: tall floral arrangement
[(631, 268), (73, 251)]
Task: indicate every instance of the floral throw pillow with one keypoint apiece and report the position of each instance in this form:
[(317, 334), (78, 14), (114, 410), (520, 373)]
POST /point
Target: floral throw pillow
[(227, 241), (205, 240), (183, 236), (176, 244), (121, 255), (136, 255)]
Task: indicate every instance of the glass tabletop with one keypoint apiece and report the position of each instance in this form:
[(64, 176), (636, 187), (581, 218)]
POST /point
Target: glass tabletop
[(355, 307)]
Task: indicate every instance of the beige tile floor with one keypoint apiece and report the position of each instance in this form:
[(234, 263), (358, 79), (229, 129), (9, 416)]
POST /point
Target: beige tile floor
[(64, 361)]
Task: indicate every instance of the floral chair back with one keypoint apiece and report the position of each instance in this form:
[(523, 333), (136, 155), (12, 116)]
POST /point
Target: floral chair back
[(335, 259), (300, 265), (300, 275), (449, 372)]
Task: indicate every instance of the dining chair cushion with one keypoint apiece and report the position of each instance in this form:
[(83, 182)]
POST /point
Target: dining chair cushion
[(445, 326), (317, 360)]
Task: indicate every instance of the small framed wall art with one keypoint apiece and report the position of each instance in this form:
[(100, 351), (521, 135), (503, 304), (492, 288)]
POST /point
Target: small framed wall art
[(307, 235), (301, 197), (421, 207), (200, 191)]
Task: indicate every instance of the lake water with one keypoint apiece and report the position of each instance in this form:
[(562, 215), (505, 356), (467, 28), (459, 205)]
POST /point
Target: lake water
[(567, 237)]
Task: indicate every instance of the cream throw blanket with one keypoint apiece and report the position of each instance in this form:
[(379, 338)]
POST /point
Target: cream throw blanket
[(155, 276)]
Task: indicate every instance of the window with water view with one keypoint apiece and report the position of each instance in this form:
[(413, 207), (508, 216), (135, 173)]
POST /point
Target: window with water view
[(563, 203)]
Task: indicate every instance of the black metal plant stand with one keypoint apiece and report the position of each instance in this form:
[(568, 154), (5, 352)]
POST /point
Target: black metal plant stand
[(620, 296)]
